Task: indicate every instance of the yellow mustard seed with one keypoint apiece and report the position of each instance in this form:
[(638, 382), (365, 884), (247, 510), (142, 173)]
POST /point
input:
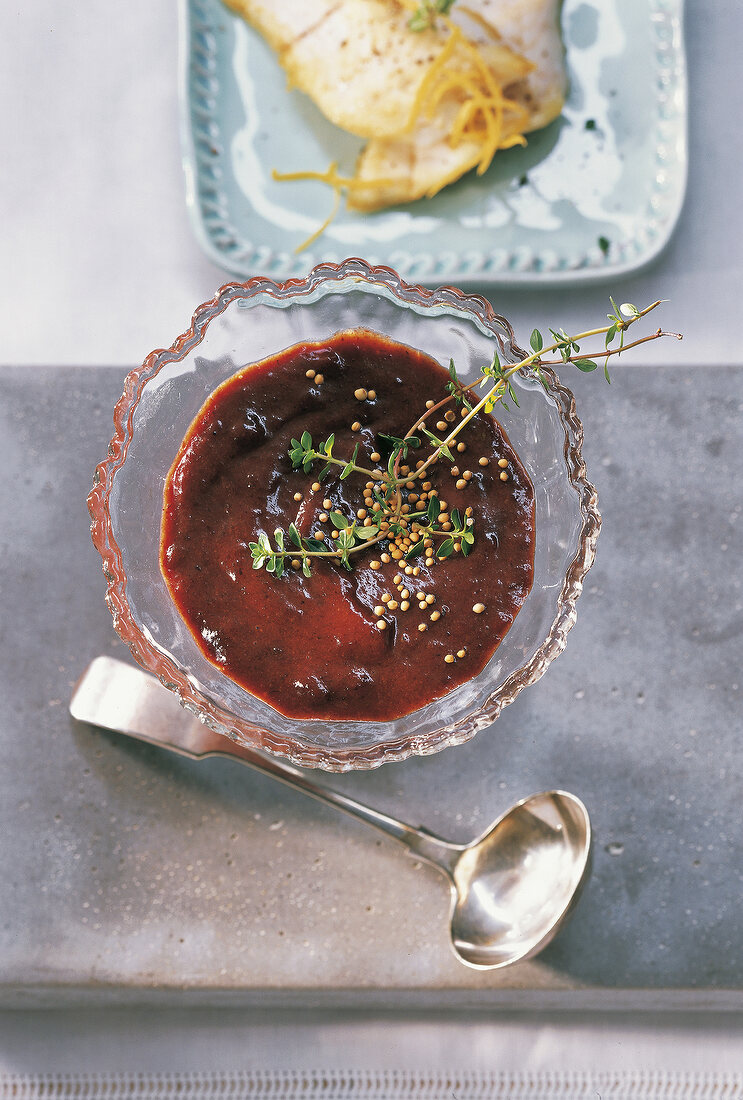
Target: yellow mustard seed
[(478, 608), (356, 426), (315, 486), (372, 395), (310, 373), (323, 517), (297, 496), (393, 605), (430, 598), (379, 610), (504, 476), (319, 379), (381, 624), (318, 535), (454, 471), (449, 415), (360, 394), (385, 558), (483, 461), (461, 447), (430, 404), (461, 483), (441, 425), (422, 627), (375, 456), (449, 658), (461, 653), (404, 605), (397, 579), (375, 564), (296, 563), (435, 616), (502, 462), (327, 504)]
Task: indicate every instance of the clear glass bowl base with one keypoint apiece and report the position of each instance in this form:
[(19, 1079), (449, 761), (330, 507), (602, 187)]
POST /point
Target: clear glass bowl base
[(246, 322)]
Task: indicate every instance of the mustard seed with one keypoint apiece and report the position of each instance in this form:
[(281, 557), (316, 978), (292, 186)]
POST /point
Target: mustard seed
[(356, 426), (435, 616), (461, 653), (504, 476), (461, 483), (404, 605), (309, 373), (375, 456), (483, 461), (430, 404), (381, 624), (461, 447), (327, 504), (360, 394), (449, 415), (449, 658), (379, 610), (441, 425), (502, 462), (375, 565), (315, 486), (422, 627), (297, 496), (319, 379), (372, 395), (478, 608)]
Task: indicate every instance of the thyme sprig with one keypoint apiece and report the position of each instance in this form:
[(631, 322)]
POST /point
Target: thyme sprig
[(416, 531), (425, 15)]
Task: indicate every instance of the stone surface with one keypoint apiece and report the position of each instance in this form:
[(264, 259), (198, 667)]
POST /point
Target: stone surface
[(137, 874)]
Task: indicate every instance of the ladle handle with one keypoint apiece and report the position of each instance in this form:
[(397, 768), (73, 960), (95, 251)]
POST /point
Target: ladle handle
[(124, 699), (418, 841)]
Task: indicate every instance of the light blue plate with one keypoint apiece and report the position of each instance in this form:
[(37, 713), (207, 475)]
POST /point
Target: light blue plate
[(595, 194)]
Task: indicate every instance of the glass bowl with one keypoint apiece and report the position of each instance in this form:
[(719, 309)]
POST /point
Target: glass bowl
[(246, 322)]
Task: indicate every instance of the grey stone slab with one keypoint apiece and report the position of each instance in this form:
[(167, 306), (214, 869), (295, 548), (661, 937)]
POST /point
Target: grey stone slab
[(128, 874)]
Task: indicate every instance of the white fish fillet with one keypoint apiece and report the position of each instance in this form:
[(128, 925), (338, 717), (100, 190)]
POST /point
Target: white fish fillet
[(363, 67)]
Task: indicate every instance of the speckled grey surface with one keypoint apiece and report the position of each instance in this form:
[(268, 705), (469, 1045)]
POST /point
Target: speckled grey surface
[(132, 874)]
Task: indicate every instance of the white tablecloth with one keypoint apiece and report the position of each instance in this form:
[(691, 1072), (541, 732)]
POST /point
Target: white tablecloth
[(100, 266)]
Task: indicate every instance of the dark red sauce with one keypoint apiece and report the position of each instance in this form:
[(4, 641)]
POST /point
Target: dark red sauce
[(310, 647)]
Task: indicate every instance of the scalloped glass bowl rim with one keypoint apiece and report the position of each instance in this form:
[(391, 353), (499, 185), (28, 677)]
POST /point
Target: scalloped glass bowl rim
[(337, 276)]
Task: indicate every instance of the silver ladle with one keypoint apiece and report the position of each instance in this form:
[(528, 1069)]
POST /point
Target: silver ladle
[(511, 888)]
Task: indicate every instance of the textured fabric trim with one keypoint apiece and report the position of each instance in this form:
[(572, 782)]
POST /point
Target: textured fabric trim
[(374, 1085)]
